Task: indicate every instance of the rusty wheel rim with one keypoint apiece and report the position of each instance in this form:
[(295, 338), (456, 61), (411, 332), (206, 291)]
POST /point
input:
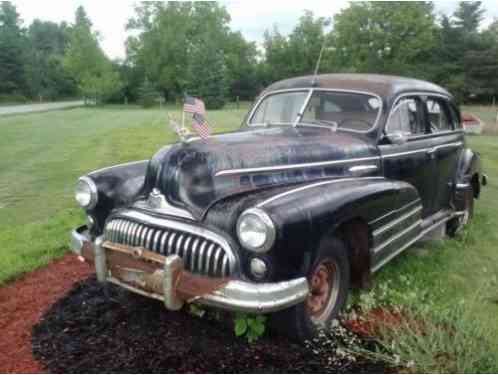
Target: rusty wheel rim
[(324, 290)]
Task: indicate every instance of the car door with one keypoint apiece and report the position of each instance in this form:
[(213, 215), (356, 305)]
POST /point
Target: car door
[(445, 144), (407, 159)]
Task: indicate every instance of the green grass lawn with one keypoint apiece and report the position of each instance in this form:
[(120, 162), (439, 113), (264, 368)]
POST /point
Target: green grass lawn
[(42, 155)]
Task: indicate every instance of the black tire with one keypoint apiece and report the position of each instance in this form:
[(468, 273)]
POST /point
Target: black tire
[(458, 223), (300, 322)]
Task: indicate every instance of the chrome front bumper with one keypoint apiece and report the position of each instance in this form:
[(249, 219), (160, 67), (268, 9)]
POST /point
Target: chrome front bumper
[(162, 284)]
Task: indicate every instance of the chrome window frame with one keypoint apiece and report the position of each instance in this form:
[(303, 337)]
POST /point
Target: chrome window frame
[(419, 94), (311, 91)]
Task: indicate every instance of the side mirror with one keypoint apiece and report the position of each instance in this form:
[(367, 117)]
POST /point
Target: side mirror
[(397, 138)]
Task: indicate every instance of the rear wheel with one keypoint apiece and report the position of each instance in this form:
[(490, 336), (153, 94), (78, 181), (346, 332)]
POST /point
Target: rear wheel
[(458, 223), (329, 280)]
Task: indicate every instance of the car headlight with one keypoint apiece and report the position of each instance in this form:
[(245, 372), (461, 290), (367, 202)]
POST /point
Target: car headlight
[(86, 193), (255, 230)]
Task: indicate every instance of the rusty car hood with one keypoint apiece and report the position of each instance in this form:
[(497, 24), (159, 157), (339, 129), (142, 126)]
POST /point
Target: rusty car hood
[(200, 172)]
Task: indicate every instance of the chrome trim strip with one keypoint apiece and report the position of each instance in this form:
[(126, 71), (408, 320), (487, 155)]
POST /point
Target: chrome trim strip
[(411, 242), (421, 150), (200, 259), (162, 250), (171, 249), (315, 185), (447, 145), (185, 227), (224, 270), (363, 168), (311, 90), (193, 255), (216, 259), (397, 236), (394, 211), (462, 186), (208, 258), (118, 165), (397, 221), (155, 242), (167, 209), (186, 247), (277, 168), (178, 245)]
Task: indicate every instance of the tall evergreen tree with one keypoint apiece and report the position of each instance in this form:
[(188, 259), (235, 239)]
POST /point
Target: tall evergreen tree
[(469, 16), (12, 53), (47, 78), (86, 61)]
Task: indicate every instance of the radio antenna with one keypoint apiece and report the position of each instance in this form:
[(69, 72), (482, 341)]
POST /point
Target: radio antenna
[(326, 23)]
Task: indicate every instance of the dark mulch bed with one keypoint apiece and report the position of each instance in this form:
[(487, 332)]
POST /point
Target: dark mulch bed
[(91, 330)]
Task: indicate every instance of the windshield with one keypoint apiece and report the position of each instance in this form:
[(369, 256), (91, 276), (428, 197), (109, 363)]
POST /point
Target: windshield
[(343, 110), (279, 109)]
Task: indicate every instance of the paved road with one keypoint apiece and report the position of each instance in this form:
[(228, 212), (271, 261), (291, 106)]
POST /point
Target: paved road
[(27, 108)]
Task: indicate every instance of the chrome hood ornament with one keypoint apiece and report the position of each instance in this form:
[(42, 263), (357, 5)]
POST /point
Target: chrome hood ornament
[(157, 201), (183, 133)]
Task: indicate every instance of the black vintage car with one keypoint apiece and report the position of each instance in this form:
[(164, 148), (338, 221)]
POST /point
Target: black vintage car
[(327, 179)]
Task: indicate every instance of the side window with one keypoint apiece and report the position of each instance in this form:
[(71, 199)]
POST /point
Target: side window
[(405, 117), (439, 115), (455, 116)]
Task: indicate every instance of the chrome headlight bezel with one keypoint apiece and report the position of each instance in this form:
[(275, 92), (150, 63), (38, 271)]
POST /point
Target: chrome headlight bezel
[(93, 196), (269, 227)]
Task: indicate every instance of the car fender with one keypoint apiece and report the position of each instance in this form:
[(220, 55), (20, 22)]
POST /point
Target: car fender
[(469, 165), (117, 186), (303, 214)]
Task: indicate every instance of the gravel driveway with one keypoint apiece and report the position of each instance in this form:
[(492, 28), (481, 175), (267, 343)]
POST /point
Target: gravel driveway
[(27, 108)]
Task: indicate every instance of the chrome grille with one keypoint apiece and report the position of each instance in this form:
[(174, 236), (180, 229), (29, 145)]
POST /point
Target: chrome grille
[(201, 255)]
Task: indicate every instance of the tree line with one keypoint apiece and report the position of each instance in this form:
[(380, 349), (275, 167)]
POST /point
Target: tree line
[(189, 47)]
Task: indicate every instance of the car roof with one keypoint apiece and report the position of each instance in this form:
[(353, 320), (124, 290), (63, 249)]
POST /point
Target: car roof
[(385, 86)]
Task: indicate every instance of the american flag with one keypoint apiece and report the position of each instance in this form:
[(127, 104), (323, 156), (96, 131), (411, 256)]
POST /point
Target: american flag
[(193, 105), (201, 126)]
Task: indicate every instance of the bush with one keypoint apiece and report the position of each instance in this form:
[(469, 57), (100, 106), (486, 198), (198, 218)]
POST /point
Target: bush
[(13, 99)]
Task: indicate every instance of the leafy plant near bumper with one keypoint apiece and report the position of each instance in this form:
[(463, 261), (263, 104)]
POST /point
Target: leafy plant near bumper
[(196, 310), (249, 325)]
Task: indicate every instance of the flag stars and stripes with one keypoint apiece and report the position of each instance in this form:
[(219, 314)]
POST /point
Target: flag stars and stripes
[(193, 105), (201, 126)]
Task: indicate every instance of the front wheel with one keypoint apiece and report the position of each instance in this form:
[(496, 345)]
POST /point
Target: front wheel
[(458, 223), (329, 281)]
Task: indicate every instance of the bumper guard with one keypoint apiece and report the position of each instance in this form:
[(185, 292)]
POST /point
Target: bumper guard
[(163, 278)]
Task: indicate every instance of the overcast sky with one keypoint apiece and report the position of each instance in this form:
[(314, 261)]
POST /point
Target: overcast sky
[(250, 17)]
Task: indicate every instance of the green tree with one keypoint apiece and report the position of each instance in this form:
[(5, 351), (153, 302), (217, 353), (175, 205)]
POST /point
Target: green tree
[(207, 74), (469, 16), (169, 38), (305, 42), (147, 94), (45, 73), (277, 57), (12, 53), (385, 37), (241, 62), (86, 61)]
